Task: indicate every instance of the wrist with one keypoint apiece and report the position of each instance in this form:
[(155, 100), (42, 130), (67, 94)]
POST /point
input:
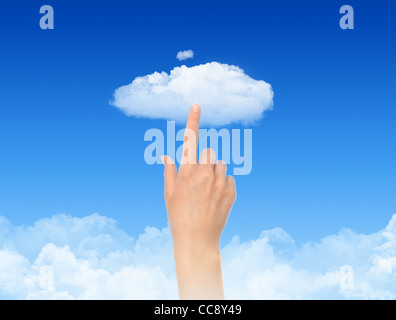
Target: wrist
[(194, 248), (193, 255), (199, 272)]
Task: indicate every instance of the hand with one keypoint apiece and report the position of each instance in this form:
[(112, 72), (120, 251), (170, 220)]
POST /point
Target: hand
[(198, 200)]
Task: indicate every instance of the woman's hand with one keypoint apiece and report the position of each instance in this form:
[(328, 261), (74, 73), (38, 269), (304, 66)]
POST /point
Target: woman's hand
[(198, 200)]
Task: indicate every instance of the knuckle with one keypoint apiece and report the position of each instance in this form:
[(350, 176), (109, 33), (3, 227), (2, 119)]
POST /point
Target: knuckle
[(206, 174), (186, 170), (220, 184), (205, 177), (231, 188), (167, 195)]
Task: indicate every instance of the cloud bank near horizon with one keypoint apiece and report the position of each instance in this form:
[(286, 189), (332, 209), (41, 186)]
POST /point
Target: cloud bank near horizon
[(64, 257), (226, 94)]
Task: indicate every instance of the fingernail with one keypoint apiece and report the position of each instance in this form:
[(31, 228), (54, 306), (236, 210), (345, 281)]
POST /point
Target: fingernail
[(196, 107), (163, 159)]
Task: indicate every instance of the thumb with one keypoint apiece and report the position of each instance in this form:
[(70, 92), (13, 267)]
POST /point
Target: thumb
[(170, 173)]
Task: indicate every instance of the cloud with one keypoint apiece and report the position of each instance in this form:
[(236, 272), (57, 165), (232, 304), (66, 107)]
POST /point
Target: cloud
[(184, 55), (64, 257), (226, 94)]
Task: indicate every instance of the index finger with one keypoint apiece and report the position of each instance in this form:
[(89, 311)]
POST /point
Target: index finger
[(191, 136)]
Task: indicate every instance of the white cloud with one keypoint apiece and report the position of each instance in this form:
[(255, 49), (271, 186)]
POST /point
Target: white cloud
[(63, 257), (184, 55), (226, 94)]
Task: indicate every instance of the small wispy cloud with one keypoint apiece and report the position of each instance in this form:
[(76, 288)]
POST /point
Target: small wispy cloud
[(184, 55), (226, 94), (64, 257)]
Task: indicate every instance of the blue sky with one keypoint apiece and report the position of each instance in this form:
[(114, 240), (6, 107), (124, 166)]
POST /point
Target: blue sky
[(323, 158)]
